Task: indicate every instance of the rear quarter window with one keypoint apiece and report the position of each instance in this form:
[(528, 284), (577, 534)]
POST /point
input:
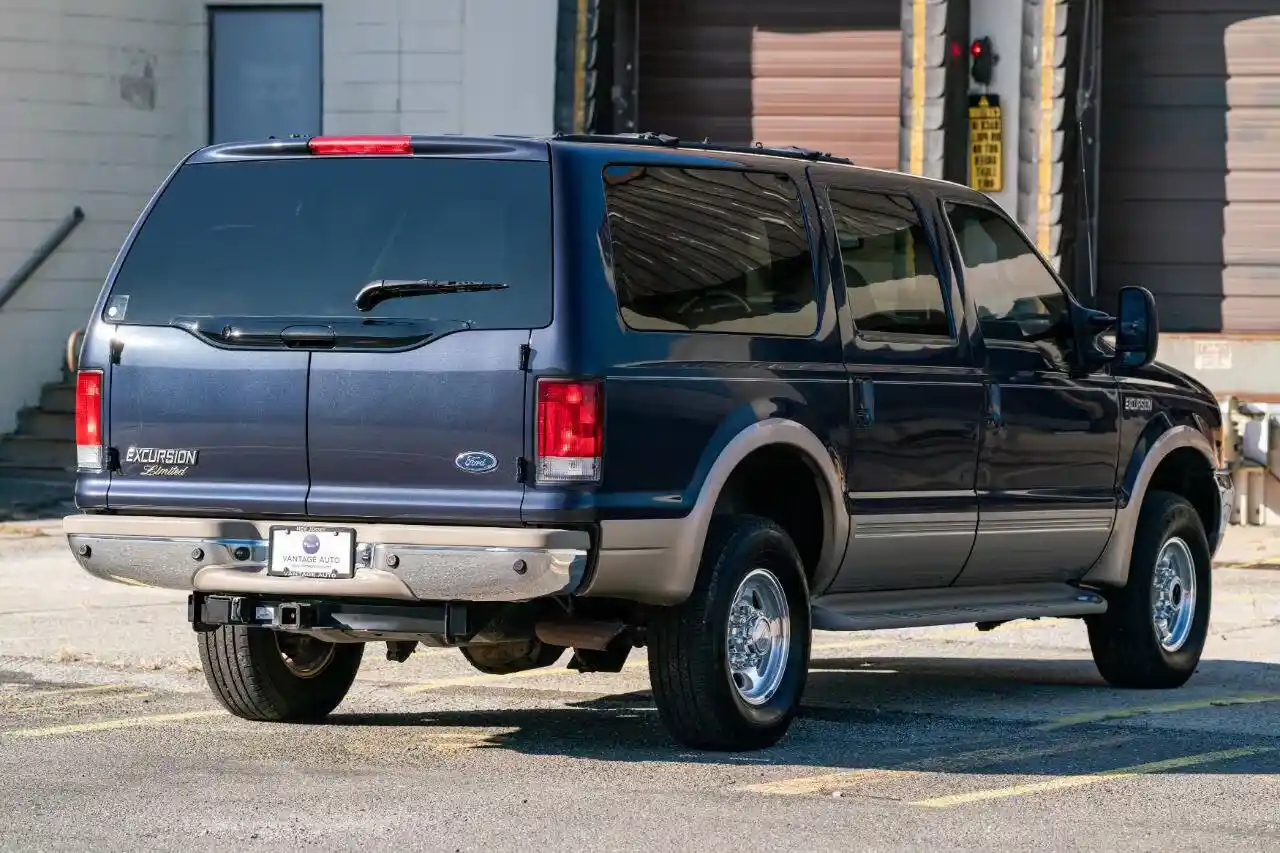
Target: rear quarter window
[(710, 250), (299, 237)]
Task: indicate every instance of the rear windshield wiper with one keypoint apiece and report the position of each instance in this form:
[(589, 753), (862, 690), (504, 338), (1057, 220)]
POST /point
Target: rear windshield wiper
[(395, 288)]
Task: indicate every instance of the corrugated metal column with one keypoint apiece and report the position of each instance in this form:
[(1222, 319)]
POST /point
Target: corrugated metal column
[(584, 73), (1041, 124), (570, 70), (935, 35), (921, 143)]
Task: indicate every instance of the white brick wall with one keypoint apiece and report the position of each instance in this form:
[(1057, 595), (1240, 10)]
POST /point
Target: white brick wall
[(78, 125)]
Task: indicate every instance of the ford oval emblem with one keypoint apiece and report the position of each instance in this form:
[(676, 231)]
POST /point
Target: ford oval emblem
[(476, 461)]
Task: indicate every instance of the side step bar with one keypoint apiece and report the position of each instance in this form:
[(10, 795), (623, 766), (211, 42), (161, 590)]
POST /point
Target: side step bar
[(872, 611)]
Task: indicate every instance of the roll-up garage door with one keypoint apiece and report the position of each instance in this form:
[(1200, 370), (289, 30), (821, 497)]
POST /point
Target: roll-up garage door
[(1190, 160), (821, 74)]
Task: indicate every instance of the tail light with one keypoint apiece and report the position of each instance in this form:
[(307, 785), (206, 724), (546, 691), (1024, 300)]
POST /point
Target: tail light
[(89, 447), (570, 431), (360, 145)]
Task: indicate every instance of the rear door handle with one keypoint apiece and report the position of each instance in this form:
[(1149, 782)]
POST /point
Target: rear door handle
[(995, 417), (865, 406)]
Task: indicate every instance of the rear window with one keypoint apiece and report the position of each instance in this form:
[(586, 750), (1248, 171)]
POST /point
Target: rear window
[(300, 237)]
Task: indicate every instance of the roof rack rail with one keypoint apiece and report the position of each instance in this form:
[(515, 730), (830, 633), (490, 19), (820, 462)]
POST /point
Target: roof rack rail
[(667, 141)]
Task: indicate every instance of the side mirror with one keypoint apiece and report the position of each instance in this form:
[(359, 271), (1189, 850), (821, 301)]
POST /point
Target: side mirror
[(1137, 327)]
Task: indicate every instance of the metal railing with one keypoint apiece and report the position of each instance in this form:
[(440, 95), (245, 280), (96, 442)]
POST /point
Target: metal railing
[(40, 255)]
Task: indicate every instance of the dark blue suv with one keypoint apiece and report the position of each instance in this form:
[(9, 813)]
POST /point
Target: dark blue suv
[(527, 396)]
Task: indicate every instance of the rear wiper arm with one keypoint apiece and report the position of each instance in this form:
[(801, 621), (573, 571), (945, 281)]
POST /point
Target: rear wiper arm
[(395, 288)]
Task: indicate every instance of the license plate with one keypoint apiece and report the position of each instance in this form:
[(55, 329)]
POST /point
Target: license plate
[(312, 552)]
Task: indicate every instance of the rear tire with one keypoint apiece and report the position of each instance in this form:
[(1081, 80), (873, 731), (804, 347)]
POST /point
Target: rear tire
[(249, 673), (728, 665), (1154, 630)]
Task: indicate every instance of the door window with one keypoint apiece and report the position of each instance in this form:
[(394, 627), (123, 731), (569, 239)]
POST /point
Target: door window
[(1016, 296), (710, 250), (891, 280)]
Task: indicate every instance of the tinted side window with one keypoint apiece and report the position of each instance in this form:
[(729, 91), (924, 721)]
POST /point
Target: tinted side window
[(891, 283), (1016, 296), (710, 250)]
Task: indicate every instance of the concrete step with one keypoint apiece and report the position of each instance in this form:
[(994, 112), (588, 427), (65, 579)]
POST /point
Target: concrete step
[(39, 423), (59, 397), (29, 452)]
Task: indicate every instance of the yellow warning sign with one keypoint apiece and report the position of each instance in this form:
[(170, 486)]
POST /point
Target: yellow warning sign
[(986, 143)]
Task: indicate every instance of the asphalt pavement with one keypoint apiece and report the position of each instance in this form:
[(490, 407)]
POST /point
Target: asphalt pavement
[(931, 739)]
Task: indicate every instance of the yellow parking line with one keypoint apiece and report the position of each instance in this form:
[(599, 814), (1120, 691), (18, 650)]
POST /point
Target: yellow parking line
[(848, 645), (108, 725), (935, 764), (64, 691), (457, 740), (1064, 782), (550, 672), (67, 702), (466, 680), (1126, 713)]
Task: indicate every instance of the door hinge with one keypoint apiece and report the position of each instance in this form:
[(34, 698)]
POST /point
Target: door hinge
[(526, 356)]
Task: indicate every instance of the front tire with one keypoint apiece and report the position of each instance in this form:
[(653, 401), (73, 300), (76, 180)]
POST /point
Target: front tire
[(728, 665), (1155, 628), (271, 676)]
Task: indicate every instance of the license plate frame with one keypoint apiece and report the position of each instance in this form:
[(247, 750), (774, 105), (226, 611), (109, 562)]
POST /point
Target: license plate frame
[(337, 559)]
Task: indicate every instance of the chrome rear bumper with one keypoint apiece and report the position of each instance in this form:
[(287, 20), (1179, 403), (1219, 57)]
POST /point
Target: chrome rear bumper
[(404, 562)]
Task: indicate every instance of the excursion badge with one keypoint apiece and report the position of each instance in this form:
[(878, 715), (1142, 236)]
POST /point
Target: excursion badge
[(159, 461)]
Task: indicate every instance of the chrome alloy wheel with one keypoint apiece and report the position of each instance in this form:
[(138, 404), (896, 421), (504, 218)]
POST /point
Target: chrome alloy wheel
[(1173, 594), (305, 656), (759, 637)]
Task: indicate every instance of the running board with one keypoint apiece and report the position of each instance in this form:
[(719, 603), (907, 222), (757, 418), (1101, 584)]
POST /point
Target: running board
[(870, 611)]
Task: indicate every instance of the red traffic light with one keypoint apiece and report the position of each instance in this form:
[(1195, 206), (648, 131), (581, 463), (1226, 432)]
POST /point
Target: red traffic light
[(983, 60)]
